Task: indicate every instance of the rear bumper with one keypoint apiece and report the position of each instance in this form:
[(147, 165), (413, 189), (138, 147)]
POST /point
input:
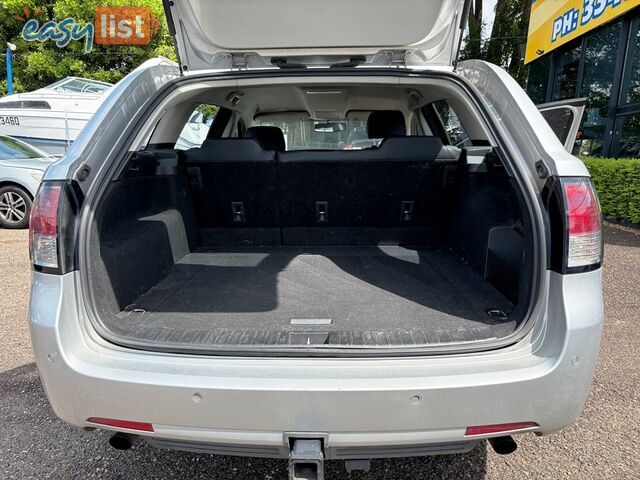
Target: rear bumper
[(336, 449), (360, 407)]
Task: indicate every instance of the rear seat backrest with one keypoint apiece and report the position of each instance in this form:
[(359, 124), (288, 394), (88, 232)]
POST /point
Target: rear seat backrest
[(246, 183), (234, 183), (398, 184)]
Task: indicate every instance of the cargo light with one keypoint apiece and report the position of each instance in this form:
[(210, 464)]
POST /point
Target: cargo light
[(129, 425), (584, 231), (500, 428)]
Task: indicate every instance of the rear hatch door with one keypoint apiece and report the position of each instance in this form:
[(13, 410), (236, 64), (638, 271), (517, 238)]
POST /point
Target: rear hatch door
[(237, 34)]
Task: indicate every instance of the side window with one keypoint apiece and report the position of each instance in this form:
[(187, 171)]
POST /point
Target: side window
[(560, 121), (195, 131), (453, 128)]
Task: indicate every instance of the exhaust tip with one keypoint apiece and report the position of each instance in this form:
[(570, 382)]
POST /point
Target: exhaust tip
[(122, 441), (503, 445)]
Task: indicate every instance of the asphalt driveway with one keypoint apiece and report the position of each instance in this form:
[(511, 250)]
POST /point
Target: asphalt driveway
[(602, 444)]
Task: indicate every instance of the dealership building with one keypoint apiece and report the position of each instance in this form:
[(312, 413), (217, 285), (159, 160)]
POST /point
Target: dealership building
[(590, 49)]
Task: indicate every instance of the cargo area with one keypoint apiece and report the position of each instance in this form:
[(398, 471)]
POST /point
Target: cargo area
[(249, 245), (371, 296)]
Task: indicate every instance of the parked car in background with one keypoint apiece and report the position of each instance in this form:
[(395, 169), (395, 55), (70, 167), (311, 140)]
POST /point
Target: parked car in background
[(194, 132), (21, 169)]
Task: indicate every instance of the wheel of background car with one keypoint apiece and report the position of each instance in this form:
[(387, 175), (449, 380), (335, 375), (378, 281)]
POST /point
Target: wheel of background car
[(15, 205)]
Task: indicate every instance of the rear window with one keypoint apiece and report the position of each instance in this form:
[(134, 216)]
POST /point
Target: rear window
[(308, 134)]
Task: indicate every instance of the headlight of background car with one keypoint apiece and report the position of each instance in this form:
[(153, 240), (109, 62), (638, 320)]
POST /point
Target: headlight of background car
[(37, 175)]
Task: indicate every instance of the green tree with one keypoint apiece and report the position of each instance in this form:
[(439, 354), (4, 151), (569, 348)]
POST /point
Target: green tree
[(506, 39), (473, 43), (508, 36), (38, 64)]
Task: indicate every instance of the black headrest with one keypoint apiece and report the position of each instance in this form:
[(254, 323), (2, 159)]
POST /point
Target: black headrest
[(223, 150), (386, 123), (269, 138)]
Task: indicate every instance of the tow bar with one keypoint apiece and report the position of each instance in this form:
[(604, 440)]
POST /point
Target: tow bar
[(306, 460)]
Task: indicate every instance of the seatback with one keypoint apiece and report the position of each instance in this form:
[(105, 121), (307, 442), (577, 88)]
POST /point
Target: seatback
[(366, 187), (234, 183), (402, 183)]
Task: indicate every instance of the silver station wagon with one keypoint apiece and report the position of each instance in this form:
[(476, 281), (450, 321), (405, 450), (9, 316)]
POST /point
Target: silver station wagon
[(369, 249)]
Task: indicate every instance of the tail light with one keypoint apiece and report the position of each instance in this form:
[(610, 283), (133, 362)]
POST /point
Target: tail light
[(576, 226), (51, 228), (43, 227), (584, 246)]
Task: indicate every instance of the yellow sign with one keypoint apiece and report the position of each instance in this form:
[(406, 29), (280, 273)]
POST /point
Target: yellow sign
[(556, 22)]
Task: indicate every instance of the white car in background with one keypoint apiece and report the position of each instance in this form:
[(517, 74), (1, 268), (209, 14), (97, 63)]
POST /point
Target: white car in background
[(194, 132), (21, 169)]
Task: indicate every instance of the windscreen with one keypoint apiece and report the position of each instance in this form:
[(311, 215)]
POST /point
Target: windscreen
[(11, 149), (79, 85)]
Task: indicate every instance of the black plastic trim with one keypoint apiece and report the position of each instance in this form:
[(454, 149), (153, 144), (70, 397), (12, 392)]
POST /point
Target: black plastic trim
[(167, 4), (434, 123), (220, 123)]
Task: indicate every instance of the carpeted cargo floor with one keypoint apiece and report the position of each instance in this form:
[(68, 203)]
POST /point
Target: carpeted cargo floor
[(347, 296)]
